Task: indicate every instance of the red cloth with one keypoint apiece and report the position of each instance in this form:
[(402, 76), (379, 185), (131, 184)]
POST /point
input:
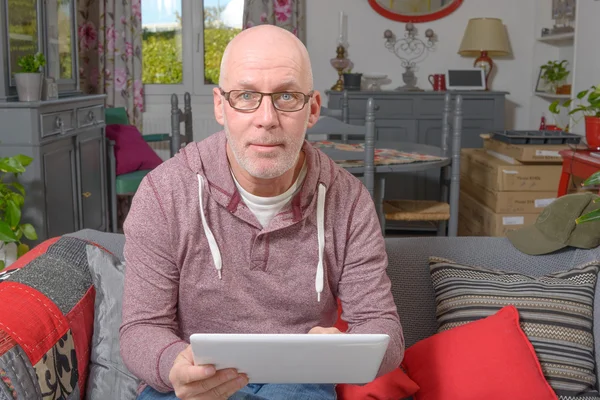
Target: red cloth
[(490, 359), (392, 386), (132, 153)]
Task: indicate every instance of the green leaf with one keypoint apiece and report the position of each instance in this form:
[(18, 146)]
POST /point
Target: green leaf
[(29, 231), (19, 187), (554, 107), (582, 94), (13, 214), (2, 265), (567, 103), (592, 180), (6, 234), (22, 249), (23, 159), (591, 216), (8, 164)]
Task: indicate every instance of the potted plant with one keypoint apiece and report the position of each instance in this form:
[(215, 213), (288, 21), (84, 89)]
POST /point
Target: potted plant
[(555, 73), (29, 79), (589, 106), (593, 215), (12, 198)]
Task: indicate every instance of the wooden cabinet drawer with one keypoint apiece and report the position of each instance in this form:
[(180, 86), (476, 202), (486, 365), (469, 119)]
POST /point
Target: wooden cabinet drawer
[(90, 116), (57, 122)]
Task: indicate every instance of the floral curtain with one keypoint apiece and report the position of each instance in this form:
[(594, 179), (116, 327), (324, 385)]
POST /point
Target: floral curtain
[(110, 53), (287, 14)]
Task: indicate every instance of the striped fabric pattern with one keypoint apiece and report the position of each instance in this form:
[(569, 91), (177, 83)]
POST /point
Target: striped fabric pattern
[(556, 314)]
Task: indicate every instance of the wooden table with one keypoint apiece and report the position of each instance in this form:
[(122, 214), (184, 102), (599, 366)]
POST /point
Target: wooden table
[(577, 163), (381, 171)]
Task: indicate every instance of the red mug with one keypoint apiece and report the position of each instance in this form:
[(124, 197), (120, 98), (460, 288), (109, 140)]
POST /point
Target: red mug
[(438, 81)]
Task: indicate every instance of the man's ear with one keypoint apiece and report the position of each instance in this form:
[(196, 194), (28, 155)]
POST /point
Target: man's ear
[(315, 109), (218, 106)]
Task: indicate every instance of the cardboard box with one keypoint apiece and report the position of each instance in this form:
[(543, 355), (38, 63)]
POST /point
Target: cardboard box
[(526, 153), (507, 202), (479, 220), (500, 175)]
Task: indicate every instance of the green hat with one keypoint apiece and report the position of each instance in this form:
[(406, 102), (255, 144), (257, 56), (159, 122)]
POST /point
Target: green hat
[(555, 228)]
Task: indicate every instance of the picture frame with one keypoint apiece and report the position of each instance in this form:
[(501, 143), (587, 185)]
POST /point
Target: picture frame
[(541, 86), (563, 10)]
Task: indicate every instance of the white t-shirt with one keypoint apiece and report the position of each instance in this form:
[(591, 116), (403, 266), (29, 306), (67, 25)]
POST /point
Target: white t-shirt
[(265, 208)]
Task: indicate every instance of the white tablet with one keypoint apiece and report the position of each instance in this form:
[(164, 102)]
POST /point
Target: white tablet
[(294, 358)]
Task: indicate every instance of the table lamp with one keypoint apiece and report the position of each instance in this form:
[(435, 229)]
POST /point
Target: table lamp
[(484, 37)]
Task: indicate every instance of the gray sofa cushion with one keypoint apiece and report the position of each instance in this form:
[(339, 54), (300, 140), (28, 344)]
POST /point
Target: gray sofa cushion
[(408, 269), (108, 377)]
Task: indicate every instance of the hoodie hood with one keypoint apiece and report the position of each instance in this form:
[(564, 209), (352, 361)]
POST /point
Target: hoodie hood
[(208, 161)]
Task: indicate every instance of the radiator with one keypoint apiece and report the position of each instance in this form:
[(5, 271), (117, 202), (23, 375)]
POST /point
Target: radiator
[(202, 126)]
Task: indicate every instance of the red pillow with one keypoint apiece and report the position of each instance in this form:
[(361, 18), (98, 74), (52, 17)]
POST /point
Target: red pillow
[(132, 153), (391, 386), (490, 359)]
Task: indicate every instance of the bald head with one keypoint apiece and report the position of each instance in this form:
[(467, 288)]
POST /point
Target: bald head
[(269, 45)]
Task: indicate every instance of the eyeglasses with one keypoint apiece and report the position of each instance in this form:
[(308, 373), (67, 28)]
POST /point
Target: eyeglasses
[(245, 100)]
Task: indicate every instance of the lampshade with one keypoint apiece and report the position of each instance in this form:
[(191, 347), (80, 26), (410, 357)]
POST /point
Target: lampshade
[(484, 34)]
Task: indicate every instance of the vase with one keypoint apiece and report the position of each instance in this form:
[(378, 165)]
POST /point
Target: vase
[(29, 86), (352, 81), (592, 132)]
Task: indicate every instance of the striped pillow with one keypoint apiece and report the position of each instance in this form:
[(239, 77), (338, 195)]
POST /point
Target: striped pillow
[(556, 314)]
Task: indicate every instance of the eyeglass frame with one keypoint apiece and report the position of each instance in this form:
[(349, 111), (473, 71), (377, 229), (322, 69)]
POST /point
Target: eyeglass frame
[(227, 97)]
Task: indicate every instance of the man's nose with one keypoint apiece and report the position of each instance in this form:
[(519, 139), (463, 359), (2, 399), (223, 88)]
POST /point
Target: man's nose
[(266, 114)]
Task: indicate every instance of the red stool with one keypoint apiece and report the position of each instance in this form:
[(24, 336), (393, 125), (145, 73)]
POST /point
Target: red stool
[(577, 163)]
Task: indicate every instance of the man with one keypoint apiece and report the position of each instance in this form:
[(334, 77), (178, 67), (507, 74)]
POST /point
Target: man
[(251, 230)]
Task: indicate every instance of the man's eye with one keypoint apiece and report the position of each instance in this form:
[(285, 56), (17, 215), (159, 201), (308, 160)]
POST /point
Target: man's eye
[(287, 96), (246, 96)]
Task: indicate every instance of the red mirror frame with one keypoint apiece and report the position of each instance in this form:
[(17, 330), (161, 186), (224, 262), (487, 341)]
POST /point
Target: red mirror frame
[(415, 18)]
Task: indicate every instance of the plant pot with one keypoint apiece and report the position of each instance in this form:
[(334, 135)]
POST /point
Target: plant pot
[(592, 132), (29, 86), (352, 81)]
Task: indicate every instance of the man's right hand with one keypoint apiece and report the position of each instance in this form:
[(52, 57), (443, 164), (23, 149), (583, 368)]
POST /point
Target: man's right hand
[(203, 382)]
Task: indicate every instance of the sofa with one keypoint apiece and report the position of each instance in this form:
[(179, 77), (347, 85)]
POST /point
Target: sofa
[(61, 311)]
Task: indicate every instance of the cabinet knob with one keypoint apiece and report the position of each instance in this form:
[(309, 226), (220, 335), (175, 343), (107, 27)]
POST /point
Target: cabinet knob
[(58, 122), (86, 194), (91, 116)]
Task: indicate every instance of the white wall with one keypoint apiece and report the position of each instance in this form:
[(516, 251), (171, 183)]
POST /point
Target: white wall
[(367, 51)]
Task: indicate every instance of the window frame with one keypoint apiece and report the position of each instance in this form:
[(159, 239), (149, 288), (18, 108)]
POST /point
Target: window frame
[(192, 30)]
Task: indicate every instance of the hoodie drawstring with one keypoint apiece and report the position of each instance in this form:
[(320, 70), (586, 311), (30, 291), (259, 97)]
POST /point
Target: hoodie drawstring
[(216, 254), (321, 238), (212, 243)]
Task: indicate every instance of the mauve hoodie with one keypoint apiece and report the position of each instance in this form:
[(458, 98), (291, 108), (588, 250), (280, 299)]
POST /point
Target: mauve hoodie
[(221, 272)]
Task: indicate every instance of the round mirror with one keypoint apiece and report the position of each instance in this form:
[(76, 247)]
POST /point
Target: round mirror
[(414, 10)]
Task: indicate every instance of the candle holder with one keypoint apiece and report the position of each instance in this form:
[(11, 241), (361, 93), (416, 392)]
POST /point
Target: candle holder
[(339, 63), (416, 50)]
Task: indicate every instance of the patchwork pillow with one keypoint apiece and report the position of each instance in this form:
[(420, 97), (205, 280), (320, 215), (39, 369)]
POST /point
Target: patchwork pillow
[(487, 359), (556, 313), (132, 153), (46, 322)]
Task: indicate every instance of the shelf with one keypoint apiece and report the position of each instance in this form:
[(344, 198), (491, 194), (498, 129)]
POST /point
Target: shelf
[(558, 38), (553, 96)]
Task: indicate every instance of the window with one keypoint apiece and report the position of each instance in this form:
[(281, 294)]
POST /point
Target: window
[(183, 41)]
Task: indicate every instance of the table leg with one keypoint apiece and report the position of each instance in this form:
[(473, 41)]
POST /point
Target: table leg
[(379, 190), (563, 184)]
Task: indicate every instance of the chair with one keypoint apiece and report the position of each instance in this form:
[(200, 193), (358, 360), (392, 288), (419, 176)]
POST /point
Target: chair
[(123, 187), (331, 128), (445, 211)]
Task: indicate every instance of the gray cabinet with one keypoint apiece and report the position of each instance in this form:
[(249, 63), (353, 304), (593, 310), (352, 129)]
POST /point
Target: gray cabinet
[(66, 182), (417, 117)]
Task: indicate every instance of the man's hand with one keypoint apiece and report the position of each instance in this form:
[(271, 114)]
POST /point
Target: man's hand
[(203, 382), (321, 330)]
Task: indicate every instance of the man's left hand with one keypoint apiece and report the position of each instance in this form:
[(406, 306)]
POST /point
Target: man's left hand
[(321, 330)]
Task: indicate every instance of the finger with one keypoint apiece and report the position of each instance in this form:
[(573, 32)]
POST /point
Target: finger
[(227, 389), (321, 330), (186, 374), (207, 385)]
